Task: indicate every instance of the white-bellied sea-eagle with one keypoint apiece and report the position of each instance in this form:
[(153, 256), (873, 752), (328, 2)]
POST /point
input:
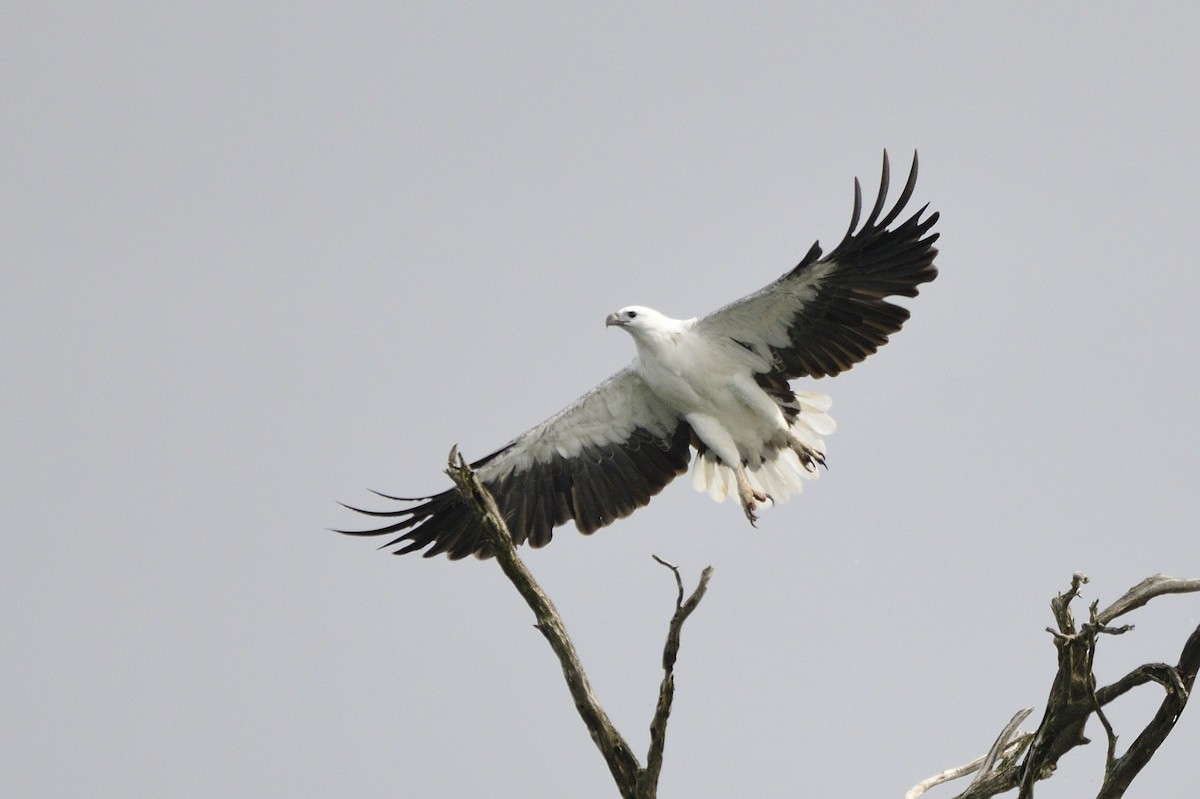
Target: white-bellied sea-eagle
[(717, 384)]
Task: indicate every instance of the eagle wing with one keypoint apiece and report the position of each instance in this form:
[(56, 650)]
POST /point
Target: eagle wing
[(596, 461), (827, 314)]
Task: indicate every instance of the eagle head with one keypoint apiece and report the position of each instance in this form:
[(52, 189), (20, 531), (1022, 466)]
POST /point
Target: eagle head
[(634, 317)]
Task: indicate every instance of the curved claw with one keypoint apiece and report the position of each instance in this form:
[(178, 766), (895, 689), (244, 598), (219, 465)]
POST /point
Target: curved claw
[(749, 496)]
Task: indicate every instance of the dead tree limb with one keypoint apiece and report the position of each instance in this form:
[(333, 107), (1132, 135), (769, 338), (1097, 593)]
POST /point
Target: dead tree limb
[(1074, 698), (1177, 682), (1143, 592), (648, 779), (1008, 746), (633, 781)]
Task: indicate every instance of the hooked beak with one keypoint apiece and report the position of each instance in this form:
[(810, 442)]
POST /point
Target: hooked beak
[(613, 319)]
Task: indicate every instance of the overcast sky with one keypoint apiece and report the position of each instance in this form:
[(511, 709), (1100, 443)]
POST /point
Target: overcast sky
[(261, 257)]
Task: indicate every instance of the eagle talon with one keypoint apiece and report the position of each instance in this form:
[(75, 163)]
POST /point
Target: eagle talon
[(750, 497), (809, 457)]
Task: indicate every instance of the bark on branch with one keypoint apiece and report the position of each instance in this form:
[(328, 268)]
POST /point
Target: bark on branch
[(633, 780)]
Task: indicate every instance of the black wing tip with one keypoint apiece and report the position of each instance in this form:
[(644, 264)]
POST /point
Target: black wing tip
[(885, 178), (878, 258), (873, 224), (860, 233), (856, 214), (436, 525), (811, 257), (395, 498), (608, 484)]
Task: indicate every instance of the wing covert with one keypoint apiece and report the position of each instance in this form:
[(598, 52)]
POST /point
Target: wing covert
[(596, 461)]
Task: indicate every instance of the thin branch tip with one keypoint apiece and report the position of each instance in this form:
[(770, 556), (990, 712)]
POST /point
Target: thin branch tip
[(666, 563)]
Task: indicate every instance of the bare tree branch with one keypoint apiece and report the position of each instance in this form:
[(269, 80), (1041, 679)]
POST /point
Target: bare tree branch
[(1003, 745), (1143, 592), (1178, 682), (998, 761), (648, 780), (620, 758), (633, 781)]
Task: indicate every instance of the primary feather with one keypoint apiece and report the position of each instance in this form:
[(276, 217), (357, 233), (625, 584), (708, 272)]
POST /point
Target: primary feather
[(718, 384)]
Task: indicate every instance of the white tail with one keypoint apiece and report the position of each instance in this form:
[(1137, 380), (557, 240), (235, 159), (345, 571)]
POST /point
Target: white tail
[(783, 470)]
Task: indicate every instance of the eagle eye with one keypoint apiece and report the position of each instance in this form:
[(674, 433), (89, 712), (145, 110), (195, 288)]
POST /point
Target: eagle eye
[(633, 314)]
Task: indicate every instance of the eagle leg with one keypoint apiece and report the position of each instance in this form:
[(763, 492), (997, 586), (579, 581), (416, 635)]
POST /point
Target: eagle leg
[(748, 494)]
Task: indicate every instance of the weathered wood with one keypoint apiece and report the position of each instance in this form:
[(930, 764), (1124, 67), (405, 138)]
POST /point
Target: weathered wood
[(1074, 698), (648, 780)]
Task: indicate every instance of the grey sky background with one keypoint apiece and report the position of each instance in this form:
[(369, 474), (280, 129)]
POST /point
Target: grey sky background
[(261, 257)]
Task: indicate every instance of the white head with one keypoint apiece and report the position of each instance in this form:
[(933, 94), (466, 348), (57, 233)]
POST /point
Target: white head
[(645, 323), (635, 317)]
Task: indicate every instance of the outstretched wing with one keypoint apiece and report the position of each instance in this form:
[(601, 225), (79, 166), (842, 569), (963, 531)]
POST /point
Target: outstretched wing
[(827, 314), (597, 461)]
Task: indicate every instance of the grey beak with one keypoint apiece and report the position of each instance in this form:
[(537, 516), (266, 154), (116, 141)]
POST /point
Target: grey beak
[(612, 319)]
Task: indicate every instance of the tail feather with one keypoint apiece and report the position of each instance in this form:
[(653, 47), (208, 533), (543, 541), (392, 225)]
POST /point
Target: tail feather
[(782, 471)]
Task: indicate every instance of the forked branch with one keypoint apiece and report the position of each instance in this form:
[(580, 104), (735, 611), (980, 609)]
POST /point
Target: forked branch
[(648, 780), (633, 781)]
